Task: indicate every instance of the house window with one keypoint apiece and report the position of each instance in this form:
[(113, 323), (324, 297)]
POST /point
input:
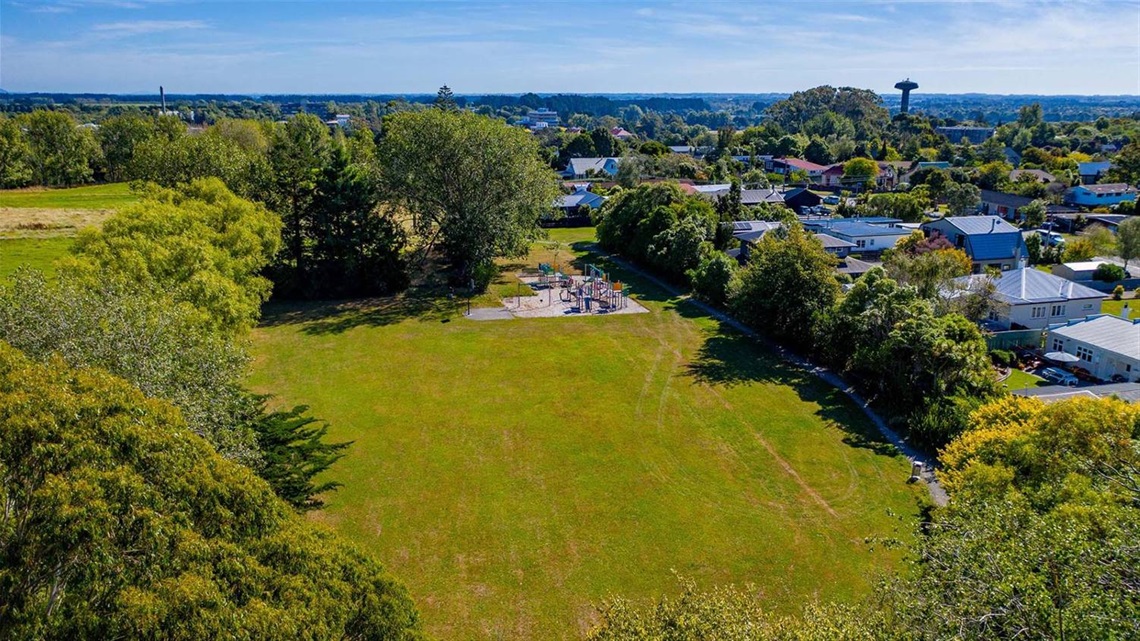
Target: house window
[(1085, 354), (872, 242), (1039, 312), (860, 243), (1088, 306), (1058, 310), (1058, 345)]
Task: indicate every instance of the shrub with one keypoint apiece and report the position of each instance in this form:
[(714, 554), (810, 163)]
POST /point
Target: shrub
[(1002, 357), (1118, 292), (1109, 273), (713, 279)]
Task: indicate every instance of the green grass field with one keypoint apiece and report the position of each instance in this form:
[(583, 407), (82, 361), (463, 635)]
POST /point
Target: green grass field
[(38, 253), (1114, 307), (108, 196), (515, 473), (1020, 380)]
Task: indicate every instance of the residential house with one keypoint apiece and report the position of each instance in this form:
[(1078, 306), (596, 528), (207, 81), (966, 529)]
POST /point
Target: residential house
[(1104, 195), (580, 197), (975, 135), (584, 167), (750, 197), (1031, 299), (684, 150), (1091, 172), (621, 134), (1040, 175), (868, 238), (1081, 271), (998, 203), (989, 241), (835, 246), (801, 198), (1109, 221), (749, 232), (785, 166), (1106, 345)]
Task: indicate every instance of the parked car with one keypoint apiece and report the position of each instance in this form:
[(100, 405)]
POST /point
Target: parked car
[(1059, 377), (1050, 238), (831, 200)]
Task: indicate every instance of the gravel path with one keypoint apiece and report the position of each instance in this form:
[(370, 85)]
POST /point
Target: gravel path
[(937, 494)]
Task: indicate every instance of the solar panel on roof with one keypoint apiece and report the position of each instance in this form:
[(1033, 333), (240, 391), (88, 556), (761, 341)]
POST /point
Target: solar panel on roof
[(741, 226)]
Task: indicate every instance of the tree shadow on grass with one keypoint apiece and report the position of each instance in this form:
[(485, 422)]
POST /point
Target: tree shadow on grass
[(319, 318), (728, 358)]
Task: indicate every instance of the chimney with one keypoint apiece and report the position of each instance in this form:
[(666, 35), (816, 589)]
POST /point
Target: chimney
[(162, 98), (993, 225), (1126, 313)]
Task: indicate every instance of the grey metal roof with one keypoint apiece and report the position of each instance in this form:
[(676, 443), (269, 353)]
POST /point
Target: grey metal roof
[(854, 266), (976, 225), (1002, 198), (1110, 333), (582, 165), (1108, 188), (1027, 285), (1050, 393), (831, 242), (857, 229), (757, 196)]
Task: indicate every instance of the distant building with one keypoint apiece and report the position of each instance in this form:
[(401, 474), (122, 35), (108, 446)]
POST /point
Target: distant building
[(340, 120), (621, 134), (974, 135), (542, 115), (989, 241), (785, 166), (1032, 299), (1100, 195), (1091, 172), (999, 203), (581, 197), (585, 167), (869, 235)]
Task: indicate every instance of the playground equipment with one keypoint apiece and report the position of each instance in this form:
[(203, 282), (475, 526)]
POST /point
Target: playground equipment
[(594, 292)]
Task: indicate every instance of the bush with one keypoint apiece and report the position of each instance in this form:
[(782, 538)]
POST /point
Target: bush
[(1002, 357), (713, 279), (1118, 292), (1109, 273)]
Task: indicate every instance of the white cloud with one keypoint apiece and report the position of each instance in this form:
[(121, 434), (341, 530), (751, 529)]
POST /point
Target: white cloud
[(143, 27)]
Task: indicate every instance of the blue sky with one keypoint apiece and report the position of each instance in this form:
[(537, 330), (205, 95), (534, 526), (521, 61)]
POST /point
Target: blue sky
[(481, 46)]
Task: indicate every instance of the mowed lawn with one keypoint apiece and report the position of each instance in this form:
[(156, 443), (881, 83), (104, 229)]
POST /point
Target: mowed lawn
[(515, 473), (106, 196), (38, 253)]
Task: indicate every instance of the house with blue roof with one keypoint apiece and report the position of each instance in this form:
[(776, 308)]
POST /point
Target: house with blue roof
[(989, 241), (1092, 172), (1032, 299), (584, 167), (582, 197), (1104, 195)]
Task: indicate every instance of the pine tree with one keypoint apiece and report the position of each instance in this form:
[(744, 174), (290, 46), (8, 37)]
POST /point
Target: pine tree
[(293, 453), (445, 100)]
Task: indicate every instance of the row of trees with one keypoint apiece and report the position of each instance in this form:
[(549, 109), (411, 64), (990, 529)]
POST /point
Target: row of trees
[(789, 291)]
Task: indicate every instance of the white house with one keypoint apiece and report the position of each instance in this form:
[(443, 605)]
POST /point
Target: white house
[(1078, 271), (1106, 345), (582, 167), (1032, 299)]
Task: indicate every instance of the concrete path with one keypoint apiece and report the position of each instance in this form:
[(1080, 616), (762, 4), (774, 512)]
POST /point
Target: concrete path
[(490, 313), (937, 494)]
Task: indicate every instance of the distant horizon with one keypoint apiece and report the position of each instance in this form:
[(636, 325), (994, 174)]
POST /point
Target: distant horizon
[(915, 96), (586, 47)]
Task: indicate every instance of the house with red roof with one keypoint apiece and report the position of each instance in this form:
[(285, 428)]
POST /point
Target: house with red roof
[(785, 166), (621, 134)]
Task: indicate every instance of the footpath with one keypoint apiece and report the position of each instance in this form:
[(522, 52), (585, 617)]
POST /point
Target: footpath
[(937, 493)]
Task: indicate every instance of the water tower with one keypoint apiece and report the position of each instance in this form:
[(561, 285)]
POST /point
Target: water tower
[(906, 86)]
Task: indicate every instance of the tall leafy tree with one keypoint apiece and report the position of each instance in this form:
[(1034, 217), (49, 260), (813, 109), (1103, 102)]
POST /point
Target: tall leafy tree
[(200, 245), (788, 285), (120, 523), (298, 154), (120, 136), (474, 185), (1128, 240), (61, 153), (15, 154)]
